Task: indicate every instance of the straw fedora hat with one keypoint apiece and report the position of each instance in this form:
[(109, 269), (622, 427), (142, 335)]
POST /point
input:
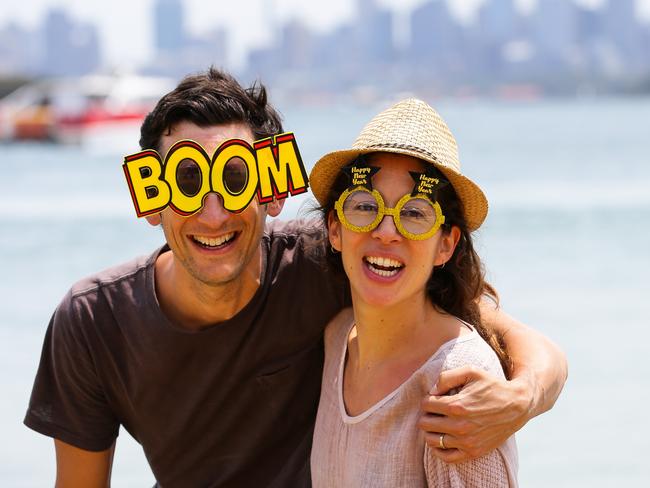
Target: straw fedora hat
[(413, 128)]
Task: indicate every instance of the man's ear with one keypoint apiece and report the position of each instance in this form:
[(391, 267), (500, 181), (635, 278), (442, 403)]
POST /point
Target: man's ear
[(447, 246), (274, 207), (334, 230), (154, 219)]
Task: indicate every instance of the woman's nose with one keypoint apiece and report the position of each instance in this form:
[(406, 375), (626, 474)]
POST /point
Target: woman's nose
[(386, 231)]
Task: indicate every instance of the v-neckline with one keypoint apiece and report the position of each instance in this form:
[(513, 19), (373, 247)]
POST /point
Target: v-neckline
[(353, 419)]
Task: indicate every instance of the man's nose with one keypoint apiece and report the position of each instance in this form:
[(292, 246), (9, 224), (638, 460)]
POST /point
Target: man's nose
[(213, 211)]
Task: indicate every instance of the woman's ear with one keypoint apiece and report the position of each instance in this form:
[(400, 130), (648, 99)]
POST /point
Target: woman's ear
[(447, 245), (334, 230)]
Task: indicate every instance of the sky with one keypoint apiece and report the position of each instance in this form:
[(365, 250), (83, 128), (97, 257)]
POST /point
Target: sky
[(125, 26)]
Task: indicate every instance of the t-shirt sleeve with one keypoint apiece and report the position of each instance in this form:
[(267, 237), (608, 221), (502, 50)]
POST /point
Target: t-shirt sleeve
[(313, 243), (68, 402), (490, 470)]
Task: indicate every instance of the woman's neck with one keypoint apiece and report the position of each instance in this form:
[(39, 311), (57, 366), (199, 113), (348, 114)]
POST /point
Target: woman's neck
[(390, 333), (388, 344)]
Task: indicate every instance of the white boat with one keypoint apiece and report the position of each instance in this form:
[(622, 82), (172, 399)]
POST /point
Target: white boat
[(71, 109)]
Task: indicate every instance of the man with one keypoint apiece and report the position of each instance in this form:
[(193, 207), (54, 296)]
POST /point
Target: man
[(209, 352)]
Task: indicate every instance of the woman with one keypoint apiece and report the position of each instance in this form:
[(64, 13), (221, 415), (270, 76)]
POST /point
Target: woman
[(399, 215)]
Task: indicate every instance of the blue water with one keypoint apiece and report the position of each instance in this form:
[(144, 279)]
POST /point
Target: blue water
[(567, 244)]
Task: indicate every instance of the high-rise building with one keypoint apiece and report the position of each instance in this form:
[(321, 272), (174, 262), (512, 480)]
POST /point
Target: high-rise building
[(589, 26), (296, 46), (436, 38), (176, 51), (499, 21), (374, 28), (199, 52), (436, 51), (20, 50), (169, 29), (624, 34), (555, 27), (71, 48)]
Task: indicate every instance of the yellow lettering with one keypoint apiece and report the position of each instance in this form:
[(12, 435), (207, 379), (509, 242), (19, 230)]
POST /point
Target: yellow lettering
[(273, 169), (281, 170), (149, 192), (180, 202), (234, 148)]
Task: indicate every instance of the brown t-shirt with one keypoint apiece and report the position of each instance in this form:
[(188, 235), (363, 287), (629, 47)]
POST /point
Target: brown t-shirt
[(231, 405)]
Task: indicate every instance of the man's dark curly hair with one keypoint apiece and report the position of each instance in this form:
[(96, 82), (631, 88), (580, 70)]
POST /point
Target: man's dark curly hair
[(211, 98)]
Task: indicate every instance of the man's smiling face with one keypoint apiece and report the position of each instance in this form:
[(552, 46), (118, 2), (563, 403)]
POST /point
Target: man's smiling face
[(214, 246)]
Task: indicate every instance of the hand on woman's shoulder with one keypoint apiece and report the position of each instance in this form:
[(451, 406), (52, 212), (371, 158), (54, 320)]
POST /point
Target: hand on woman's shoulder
[(475, 352)]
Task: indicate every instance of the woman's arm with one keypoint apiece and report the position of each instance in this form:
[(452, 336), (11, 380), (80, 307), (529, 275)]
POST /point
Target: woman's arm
[(487, 410)]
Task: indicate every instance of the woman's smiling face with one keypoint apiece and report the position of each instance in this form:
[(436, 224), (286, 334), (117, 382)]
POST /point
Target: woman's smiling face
[(384, 267)]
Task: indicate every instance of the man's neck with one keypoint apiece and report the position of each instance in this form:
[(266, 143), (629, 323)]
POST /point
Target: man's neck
[(194, 305)]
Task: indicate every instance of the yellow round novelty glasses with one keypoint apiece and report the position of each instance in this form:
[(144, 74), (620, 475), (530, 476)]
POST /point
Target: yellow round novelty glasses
[(416, 217)]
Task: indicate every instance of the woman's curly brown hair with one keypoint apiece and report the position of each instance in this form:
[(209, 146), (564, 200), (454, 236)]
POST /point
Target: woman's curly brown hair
[(455, 288)]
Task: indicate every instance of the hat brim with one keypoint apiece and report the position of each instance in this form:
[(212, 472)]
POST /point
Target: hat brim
[(327, 168)]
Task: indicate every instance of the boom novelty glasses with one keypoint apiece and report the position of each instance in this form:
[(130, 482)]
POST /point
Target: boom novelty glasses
[(271, 169), (417, 215), (189, 177)]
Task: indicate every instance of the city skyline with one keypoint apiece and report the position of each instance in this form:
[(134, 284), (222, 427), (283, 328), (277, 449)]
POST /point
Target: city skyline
[(128, 40)]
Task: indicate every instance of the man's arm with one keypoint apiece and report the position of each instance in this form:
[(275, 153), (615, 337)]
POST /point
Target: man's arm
[(488, 410), (538, 364), (77, 467), (68, 402)]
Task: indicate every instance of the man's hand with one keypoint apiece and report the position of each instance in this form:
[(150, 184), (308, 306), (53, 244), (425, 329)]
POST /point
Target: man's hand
[(488, 410), (76, 467), (478, 418)]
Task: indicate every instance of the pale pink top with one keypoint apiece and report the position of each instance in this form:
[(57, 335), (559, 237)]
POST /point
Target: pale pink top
[(383, 447)]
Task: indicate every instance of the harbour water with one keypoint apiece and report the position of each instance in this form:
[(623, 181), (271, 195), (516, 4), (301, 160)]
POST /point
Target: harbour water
[(566, 243)]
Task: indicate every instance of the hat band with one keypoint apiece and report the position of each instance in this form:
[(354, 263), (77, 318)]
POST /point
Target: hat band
[(403, 146)]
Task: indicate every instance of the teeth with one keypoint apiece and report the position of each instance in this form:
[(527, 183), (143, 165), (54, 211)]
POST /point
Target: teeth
[(375, 263), (214, 241), (382, 272), (384, 262)]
